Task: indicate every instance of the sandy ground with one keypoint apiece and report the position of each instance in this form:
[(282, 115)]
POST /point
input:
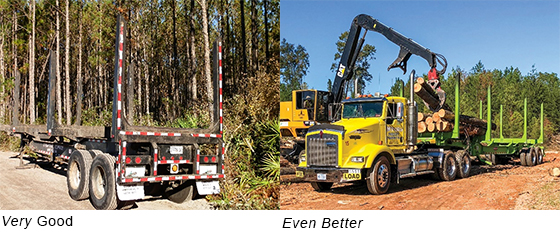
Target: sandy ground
[(501, 187), (44, 188)]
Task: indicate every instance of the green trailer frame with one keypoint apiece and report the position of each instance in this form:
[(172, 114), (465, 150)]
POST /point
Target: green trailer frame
[(484, 147)]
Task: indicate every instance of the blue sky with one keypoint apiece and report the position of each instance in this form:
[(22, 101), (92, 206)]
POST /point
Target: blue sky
[(498, 33)]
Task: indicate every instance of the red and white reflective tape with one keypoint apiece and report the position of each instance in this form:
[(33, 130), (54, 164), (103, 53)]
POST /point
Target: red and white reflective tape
[(173, 162), (168, 178), (44, 152), (48, 132), (119, 83), (155, 161), (223, 160), (14, 129), (65, 157), (207, 135), (220, 74), (97, 140), (121, 160), (162, 134), (197, 161)]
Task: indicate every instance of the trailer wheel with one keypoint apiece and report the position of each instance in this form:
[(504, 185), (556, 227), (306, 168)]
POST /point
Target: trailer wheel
[(539, 155), (103, 191), (523, 157), (448, 172), (531, 157), (321, 186), (379, 176), (183, 192), (77, 175), (464, 161)]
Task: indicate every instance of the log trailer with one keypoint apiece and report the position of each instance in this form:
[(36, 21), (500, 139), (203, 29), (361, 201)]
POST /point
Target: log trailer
[(116, 165), (296, 119), (375, 139)]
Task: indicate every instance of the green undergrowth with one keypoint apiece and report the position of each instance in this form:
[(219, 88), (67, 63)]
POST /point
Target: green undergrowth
[(546, 197), (8, 143)]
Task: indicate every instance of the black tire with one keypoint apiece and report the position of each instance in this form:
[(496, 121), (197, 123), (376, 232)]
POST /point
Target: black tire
[(94, 153), (448, 172), (523, 157), (183, 192), (531, 157), (102, 183), (464, 162), (494, 159), (539, 155), (321, 186), (379, 176), (77, 174)]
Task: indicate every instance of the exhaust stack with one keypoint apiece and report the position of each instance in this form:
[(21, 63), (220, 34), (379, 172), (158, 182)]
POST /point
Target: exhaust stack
[(412, 123)]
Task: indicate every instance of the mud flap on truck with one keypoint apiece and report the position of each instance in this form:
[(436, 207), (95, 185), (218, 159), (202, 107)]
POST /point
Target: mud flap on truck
[(129, 192)]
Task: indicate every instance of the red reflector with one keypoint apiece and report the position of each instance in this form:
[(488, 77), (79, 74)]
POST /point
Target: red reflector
[(163, 157), (206, 159), (213, 159), (173, 158), (138, 160), (180, 157), (380, 142), (127, 160)]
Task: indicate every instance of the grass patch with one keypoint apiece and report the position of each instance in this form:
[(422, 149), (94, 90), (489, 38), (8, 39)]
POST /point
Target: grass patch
[(8, 143), (546, 197)]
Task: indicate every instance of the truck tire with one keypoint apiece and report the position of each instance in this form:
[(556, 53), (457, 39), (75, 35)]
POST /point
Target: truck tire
[(77, 174), (379, 176), (494, 159), (523, 157), (321, 186), (464, 162), (102, 183), (183, 192), (531, 157), (94, 153), (539, 155), (448, 172)]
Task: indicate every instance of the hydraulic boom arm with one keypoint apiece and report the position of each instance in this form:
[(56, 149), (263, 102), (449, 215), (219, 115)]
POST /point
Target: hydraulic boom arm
[(354, 45)]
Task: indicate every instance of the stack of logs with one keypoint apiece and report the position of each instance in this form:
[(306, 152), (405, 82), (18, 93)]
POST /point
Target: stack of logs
[(442, 120)]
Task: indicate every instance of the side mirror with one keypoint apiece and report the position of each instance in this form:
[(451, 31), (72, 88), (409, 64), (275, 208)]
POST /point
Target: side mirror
[(400, 109)]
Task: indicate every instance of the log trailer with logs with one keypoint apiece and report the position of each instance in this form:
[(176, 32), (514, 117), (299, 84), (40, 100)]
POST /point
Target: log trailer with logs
[(296, 118), (377, 140), (115, 165)]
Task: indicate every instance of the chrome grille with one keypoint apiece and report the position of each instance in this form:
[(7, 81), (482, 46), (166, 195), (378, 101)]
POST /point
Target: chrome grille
[(322, 151)]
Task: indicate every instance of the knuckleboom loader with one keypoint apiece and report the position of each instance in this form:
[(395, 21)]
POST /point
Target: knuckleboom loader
[(296, 117)]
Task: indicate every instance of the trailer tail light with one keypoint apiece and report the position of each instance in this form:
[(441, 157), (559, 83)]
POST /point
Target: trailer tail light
[(174, 169), (128, 160), (138, 160)]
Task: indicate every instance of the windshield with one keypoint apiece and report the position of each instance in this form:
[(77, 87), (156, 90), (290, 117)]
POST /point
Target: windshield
[(363, 110)]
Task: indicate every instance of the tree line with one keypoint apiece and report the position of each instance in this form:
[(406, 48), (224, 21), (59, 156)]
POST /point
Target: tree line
[(168, 44)]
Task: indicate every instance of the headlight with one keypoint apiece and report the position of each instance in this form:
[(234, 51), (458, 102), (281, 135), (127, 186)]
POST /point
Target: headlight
[(302, 158), (357, 159)]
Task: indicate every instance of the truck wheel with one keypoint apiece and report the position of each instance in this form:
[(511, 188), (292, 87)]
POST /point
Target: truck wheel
[(531, 157), (321, 186), (77, 175), (183, 192), (448, 172), (464, 162), (539, 155), (102, 183), (379, 176), (523, 157)]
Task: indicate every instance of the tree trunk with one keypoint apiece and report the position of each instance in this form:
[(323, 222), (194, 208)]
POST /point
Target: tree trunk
[(243, 38), (254, 38), (267, 53), (422, 127), (2, 76), (32, 65), (79, 86), (431, 126), (207, 71), (443, 114), (67, 99)]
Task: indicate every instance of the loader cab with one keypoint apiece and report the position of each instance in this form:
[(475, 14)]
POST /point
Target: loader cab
[(307, 108)]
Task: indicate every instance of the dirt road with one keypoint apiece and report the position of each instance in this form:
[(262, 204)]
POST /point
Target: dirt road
[(44, 188), (501, 187)]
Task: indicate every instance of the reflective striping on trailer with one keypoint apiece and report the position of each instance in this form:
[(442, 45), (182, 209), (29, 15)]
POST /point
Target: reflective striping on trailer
[(119, 83), (220, 76), (207, 135), (168, 178), (173, 162), (162, 134), (65, 157), (155, 161), (197, 161), (97, 140)]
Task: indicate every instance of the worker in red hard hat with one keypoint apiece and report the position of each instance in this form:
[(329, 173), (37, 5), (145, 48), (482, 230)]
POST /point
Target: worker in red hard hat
[(433, 81)]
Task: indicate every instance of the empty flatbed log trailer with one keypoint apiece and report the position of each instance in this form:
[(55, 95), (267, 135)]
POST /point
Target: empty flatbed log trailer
[(121, 163)]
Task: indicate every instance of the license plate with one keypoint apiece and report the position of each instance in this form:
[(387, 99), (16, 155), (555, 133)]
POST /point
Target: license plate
[(208, 187), (176, 150), (321, 176), (299, 174), (130, 192), (352, 176)]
